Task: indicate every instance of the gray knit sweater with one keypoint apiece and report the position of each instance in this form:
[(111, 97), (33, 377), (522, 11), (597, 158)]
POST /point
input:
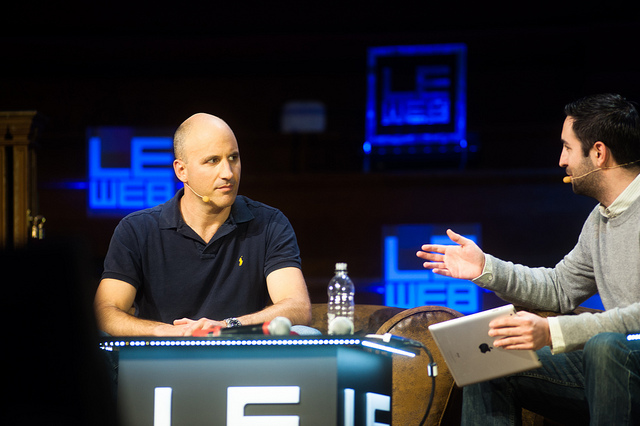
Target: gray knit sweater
[(606, 260)]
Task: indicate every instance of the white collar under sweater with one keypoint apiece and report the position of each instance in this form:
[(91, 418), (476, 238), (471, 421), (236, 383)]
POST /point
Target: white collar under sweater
[(624, 200)]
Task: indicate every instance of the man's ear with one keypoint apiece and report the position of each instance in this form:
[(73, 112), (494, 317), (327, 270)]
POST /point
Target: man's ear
[(180, 170), (601, 155)]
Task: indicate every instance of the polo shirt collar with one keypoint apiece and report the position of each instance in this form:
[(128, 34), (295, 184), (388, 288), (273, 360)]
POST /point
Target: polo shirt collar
[(240, 211), (171, 217)]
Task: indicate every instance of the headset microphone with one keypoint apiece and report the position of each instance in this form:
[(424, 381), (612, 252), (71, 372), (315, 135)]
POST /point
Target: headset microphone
[(204, 198), (569, 179)]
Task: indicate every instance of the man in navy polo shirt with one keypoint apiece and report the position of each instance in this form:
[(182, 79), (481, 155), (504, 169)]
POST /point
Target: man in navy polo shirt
[(205, 258)]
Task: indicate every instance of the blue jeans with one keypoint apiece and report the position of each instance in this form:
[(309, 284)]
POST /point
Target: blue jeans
[(597, 385)]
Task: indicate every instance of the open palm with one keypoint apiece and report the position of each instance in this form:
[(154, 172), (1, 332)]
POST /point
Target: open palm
[(464, 260)]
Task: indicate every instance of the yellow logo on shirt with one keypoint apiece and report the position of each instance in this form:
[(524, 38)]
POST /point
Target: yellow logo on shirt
[(240, 261)]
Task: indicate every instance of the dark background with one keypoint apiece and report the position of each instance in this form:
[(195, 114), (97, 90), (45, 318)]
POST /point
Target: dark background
[(154, 64)]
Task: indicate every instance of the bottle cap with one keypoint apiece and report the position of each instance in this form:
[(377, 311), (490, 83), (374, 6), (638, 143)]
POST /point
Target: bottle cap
[(341, 266)]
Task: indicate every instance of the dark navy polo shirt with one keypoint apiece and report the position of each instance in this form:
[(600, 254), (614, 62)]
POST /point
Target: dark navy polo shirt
[(178, 275)]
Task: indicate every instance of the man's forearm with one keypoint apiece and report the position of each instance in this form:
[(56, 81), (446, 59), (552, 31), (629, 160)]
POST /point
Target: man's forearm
[(298, 312), (117, 322)]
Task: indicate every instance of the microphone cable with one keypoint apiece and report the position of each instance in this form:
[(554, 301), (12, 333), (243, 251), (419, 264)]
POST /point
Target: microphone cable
[(432, 371)]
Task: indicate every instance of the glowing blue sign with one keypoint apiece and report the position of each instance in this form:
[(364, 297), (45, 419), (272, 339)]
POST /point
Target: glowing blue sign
[(408, 285), (144, 176), (416, 95)]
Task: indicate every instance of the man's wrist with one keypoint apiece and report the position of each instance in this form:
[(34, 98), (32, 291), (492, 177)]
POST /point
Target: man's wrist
[(486, 276), (232, 322), (557, 338)]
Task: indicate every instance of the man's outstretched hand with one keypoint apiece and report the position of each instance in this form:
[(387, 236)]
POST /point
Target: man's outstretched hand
[(464, 260)]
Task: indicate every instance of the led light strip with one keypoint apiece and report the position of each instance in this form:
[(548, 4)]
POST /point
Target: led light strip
[(110, 345), (205, 342), (381, 347)]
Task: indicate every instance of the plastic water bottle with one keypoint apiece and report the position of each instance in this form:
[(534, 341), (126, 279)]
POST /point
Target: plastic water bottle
[(341, 304)]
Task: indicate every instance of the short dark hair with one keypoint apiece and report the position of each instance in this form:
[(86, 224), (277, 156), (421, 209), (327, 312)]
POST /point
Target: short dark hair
[(608, 118)]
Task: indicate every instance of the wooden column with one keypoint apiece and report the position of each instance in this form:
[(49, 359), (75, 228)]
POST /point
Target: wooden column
[(18, 195)]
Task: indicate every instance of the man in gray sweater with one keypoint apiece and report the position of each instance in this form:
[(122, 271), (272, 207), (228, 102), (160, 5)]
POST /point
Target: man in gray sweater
[(591, 362)]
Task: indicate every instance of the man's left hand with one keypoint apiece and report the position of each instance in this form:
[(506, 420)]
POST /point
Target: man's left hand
[(201, 324), (522, 331)]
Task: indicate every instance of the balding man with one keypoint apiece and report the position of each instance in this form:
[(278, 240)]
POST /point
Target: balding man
[(207, 257)]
